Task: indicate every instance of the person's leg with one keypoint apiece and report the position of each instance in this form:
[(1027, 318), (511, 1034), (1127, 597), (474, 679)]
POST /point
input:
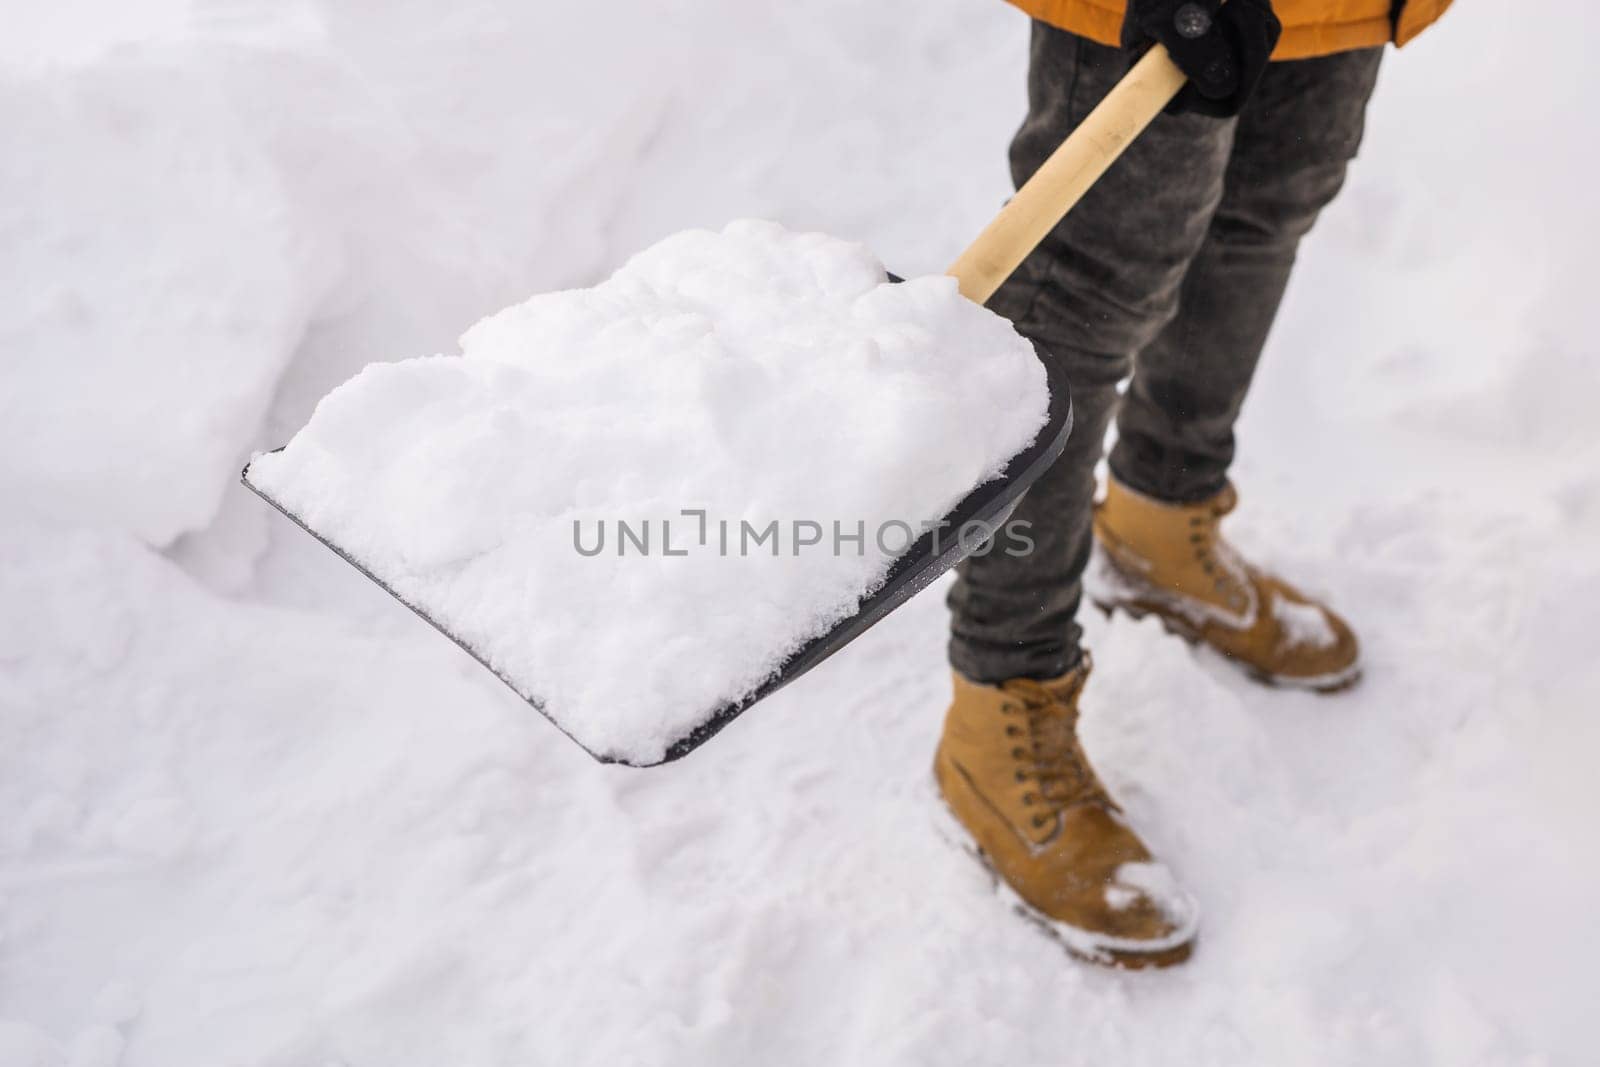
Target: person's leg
[(1099, 288), (1159, 526), (1291, 147)]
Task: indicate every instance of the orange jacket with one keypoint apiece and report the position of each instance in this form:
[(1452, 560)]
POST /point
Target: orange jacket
[(1310, 27)]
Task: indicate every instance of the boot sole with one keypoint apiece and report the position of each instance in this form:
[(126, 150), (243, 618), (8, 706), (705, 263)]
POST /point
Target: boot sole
[(1177, 626), (1084, 945)]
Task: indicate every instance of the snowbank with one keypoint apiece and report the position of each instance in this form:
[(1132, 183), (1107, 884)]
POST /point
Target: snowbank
[(796, 418), (156, 285)]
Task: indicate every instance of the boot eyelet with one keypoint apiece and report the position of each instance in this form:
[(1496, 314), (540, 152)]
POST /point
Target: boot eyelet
[(1013, 731), (1018, 753), (1039, 820), (1021, 776), (1029, 799)]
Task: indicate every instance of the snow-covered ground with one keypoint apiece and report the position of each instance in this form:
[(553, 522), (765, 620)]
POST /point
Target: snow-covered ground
[(253, 812)]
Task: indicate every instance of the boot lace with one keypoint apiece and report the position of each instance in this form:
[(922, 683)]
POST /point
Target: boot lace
[(1205, 537), (1047, 752)]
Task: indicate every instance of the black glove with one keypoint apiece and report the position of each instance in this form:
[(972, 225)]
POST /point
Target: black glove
[(1222, 47)]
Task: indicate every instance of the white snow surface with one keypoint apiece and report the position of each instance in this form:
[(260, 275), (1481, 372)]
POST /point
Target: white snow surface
[(150, 256), (253, 812), (795, 416)]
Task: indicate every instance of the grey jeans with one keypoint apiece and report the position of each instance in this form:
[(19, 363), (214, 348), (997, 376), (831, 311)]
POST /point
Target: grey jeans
[(1171, 267)]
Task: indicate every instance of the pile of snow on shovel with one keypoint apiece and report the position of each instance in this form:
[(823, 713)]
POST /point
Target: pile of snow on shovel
[(634, 501)]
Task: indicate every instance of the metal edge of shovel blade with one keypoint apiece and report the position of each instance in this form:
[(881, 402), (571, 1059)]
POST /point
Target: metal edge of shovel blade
[(990, 504)]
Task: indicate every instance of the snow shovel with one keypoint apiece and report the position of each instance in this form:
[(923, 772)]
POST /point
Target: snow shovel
[(1021, 224)]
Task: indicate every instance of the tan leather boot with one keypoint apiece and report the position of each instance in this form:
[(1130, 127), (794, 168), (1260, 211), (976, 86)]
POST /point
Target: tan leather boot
[(1014, 775), (1170, 560)]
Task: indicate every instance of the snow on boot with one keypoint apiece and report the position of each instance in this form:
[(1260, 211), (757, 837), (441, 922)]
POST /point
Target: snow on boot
[(1011, 769), (1170, 560)]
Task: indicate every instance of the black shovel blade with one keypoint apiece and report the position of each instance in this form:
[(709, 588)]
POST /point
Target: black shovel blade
[(979, 514)]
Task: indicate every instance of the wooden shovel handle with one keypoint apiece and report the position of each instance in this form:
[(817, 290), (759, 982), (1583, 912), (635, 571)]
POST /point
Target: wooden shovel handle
[(1069, 172)]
